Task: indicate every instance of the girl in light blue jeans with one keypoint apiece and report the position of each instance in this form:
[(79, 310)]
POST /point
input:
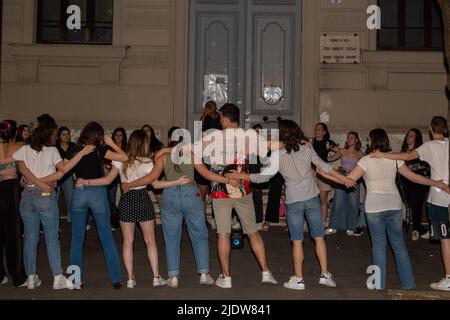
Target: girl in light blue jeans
[(39, 205), (383, 206)]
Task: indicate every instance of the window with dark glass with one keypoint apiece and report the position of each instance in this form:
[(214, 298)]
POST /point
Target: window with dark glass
[(410, 25), (96, 22)]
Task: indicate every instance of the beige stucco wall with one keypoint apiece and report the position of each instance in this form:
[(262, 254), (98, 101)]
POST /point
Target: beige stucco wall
[(139, 79), (142, 77), (394, 90)]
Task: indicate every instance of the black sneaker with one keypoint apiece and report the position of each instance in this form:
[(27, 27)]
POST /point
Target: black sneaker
[(117, 285), (358, 232)]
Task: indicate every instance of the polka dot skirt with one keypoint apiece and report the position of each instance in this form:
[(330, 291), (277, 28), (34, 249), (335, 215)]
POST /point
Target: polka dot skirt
[(136, 206)]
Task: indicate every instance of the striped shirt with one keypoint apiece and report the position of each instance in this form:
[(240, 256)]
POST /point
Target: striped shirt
[(297, 173)]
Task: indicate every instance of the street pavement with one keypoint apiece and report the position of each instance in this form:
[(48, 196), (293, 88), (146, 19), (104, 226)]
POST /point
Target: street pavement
[(349, 258)]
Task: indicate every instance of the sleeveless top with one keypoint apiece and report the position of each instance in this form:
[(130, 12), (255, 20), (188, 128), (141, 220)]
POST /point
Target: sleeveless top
[(348, 163), (174, 172)]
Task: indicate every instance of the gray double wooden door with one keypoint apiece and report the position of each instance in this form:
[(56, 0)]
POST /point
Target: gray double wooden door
[(247, 52)]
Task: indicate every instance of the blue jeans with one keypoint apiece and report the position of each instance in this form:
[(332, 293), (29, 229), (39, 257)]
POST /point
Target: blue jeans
[(296, 213), (390, 222), (67, 189), (345, 209), (96, 199), (37, 209), (184, 202)]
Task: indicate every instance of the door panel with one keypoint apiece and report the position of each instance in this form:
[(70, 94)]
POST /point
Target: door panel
[(256, 44)]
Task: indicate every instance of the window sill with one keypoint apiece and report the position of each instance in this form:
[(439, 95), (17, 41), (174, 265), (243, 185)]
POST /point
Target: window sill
[(30, 58), (402, 56), (68, 50)]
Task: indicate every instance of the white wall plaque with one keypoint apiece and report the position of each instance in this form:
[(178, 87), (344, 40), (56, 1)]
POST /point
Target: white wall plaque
[(340, 48)]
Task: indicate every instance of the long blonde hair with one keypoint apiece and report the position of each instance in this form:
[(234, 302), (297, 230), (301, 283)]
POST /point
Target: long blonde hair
[(138, 150), (208, 108)]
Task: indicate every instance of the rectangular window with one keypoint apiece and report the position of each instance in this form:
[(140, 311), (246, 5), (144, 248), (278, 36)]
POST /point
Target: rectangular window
[(96, 22), (410, 25)]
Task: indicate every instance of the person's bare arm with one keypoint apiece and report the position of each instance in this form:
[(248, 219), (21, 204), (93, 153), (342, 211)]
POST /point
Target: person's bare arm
[(45, 187), (66, 166), (416, 178), (117, 154), (104, 181), (337, 177), (158, 184), (211, 176), (149, 178), (405, 156), (335, 156)]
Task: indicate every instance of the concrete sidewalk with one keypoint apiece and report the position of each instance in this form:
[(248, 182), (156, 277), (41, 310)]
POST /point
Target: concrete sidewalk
[(349, 258)]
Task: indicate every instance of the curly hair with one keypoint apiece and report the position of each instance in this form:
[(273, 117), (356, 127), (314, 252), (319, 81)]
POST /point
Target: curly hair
[(291, 135)]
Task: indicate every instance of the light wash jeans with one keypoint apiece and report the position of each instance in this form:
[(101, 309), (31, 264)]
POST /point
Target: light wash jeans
[(389, 225), (184, 202), (36, 209), (345, 209), (96, 199)]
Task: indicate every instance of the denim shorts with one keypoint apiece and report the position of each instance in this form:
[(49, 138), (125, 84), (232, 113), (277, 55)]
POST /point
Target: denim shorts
[(296, 213), (437, 213)]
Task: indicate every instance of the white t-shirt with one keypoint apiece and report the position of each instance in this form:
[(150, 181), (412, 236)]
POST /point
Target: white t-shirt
[(436, 153), (136, 171), (42, 163), (382, 192)]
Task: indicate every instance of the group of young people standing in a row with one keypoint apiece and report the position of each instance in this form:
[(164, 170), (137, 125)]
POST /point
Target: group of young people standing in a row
[(41, 165)]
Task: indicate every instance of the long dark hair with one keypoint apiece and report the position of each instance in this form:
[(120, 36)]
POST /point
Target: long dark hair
[(93, 134), (58, 135), (327, 135), (291, 135), (7, 130), (43, 136), (123, 146), (19, 134), (173, 143), (155, 144), (379, 140), (417, 143)]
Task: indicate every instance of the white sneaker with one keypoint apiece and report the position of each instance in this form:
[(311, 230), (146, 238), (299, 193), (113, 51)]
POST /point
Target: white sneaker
[(206, 279), (172, 282), (131, 283), (415, 235), (33, 282), (443, 285), (295, 283), (213, 224), (267, 277), (426, 236), (350, 232), (61, 282), (160, 281), (224, 282), (329, 231), (326, 279), (4, 281)]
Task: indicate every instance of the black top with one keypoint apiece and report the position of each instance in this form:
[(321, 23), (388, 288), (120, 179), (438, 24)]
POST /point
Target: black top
[(91, 165), (321, 149), (64, 155), (210, 123)]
